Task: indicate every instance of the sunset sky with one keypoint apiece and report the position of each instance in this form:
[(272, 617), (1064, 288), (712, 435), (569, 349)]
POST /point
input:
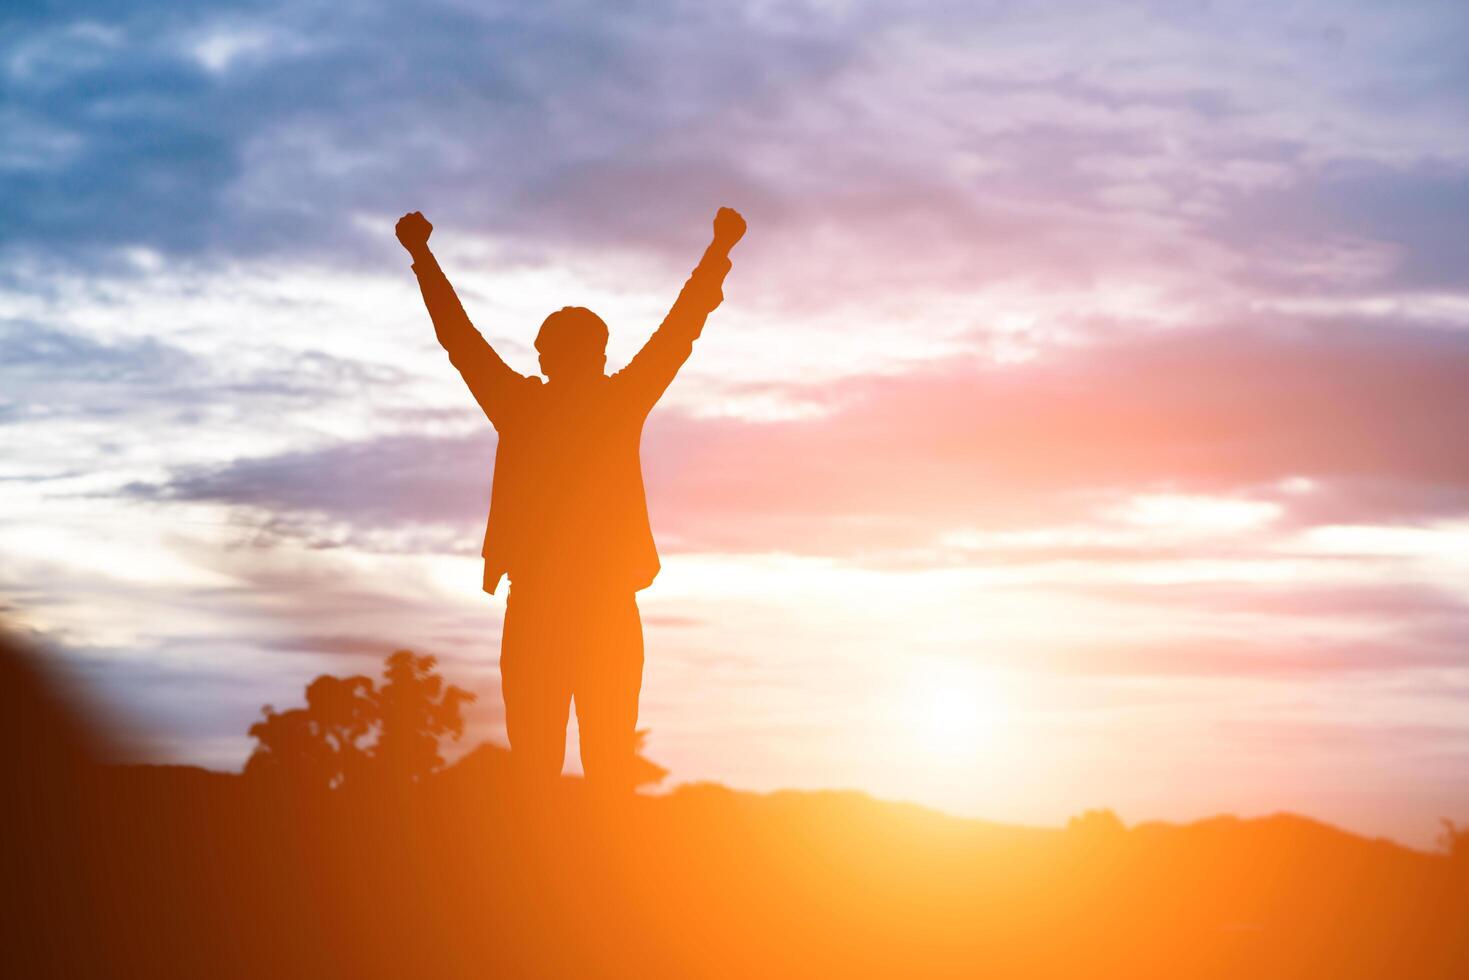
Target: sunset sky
[(1084, 425)]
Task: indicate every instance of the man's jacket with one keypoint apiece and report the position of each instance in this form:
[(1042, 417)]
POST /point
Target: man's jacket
[(567, 502)]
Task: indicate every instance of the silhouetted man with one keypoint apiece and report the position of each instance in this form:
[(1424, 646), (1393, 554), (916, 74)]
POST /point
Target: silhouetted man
[(568, 519)]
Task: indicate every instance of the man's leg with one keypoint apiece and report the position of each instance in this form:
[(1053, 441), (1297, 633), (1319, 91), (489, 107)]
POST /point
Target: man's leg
[(609, 678), (535, 680)]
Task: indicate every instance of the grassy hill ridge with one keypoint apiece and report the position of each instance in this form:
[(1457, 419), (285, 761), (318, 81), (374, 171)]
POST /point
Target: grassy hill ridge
[(164, 871), (465, 876)]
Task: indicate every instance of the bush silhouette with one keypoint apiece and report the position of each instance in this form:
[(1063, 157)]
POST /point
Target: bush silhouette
[(645, 772), (1455, 843), (350, 730), (1096, 824), (290, 750)]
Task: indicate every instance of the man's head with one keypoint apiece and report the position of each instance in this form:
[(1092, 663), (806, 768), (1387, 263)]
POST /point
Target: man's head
[(572, 344)]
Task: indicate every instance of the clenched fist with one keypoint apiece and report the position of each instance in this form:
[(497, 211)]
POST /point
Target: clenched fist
[(729, 227), (413, 230)]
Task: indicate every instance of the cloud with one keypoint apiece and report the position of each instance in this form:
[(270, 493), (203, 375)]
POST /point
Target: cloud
[(344, 494), (1419, 215), (1281, 658), (1357, 411), (1334, 423), (1420, 604), (187, 132), (52, 372), (1282, 630), (938, 140)]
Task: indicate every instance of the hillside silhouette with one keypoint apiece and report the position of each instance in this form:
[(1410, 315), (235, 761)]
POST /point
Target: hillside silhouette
[(149, 871)]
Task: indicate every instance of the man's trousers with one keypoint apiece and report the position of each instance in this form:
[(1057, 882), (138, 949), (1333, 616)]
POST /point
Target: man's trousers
[(561, 644)]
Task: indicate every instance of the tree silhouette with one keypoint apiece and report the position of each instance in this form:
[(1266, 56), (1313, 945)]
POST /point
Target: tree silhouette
[(344, 712), (415, 710), (350, 730)]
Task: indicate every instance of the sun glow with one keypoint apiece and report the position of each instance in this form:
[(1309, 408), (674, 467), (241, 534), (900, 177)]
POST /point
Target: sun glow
[(956, 712)]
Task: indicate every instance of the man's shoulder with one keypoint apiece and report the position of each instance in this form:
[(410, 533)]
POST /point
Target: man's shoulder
[(516, 399), (529, 385)]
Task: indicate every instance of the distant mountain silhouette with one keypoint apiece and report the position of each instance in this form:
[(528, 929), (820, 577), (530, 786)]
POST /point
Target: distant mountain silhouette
[(161, 871)]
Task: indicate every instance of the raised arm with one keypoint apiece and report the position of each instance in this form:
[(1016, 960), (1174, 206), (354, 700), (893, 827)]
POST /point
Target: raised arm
[(650, 372), (489, 378)]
